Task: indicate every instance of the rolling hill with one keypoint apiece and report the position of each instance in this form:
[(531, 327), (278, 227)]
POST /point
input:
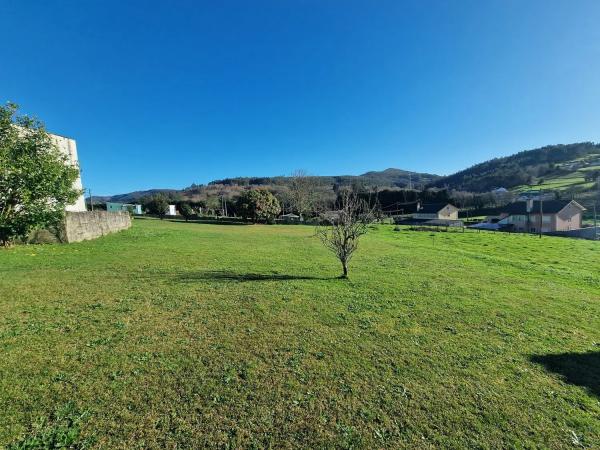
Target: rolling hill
[(389, 178), (386, 178), (569, 170), (555, 167), (132, 197)]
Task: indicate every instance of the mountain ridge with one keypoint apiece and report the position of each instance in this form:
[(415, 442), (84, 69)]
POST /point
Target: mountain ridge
[(570, 168), (390, 178)]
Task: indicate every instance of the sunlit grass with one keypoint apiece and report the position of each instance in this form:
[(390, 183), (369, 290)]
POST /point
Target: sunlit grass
[(191, 335)]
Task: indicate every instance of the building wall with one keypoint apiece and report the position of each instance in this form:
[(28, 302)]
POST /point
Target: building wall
[(127, 207), (449, 213), (548, 223), (114, 207), (519, 222), (568, 219), (81, 226), (68, 147)]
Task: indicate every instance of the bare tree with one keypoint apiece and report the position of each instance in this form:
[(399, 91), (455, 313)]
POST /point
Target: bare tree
[(345, 227), (303, 192)]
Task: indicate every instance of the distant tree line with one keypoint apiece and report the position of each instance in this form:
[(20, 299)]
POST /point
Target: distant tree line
[(395, 191), (308, 198)]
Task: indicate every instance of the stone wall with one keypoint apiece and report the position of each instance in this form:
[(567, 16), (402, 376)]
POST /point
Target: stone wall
[(81, 226)]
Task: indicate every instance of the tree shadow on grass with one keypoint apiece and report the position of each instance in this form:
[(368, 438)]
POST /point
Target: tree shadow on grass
[(581, 369), (224, 275)]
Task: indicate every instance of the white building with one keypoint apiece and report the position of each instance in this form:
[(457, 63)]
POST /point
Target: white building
[(69, 148), (433, 211)]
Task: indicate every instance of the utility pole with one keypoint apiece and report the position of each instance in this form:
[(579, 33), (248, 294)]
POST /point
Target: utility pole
[(595, 224), (596, 208), (541, 211), (91, 199)]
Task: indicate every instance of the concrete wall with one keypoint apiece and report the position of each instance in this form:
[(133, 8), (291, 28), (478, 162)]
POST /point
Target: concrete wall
[(582, 233), (81, 226)]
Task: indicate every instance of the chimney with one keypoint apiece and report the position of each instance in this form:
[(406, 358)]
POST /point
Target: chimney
[(529, 205)]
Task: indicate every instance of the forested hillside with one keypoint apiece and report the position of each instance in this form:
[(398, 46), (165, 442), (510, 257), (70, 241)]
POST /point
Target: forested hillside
[(386, 178), (571, 171), (231, 187), (527, 167)]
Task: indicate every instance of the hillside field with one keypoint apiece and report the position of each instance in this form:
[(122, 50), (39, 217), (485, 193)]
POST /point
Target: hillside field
[(175, 335), (573, 180)]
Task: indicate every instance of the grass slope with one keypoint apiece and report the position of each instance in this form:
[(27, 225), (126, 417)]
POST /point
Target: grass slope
[(573, 180), (187, 335)]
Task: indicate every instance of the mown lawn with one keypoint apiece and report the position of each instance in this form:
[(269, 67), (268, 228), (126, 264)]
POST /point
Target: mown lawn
[(174, 335)]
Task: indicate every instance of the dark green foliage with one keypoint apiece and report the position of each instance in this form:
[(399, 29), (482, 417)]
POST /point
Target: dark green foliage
[(518, 169), (158, 205), (257, 204), (185, 209), (402, 201), (36, 180), (592, 175), (385, 178)]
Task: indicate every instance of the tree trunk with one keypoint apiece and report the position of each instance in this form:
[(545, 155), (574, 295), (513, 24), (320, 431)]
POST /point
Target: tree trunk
[(345, 266)]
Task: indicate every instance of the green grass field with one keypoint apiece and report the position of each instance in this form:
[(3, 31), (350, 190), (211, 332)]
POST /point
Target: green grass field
[(174, 335)]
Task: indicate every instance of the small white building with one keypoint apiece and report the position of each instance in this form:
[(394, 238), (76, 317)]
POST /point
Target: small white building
[(171, 211)]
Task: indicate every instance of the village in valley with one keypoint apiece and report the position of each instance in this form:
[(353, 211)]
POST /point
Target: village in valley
[(535, 210)]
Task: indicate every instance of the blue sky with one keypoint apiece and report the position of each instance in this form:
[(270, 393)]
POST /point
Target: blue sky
[(164, 94)]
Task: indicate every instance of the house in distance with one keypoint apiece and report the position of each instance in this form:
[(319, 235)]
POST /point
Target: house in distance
[(133, 208), (433, 211), (531, 216)]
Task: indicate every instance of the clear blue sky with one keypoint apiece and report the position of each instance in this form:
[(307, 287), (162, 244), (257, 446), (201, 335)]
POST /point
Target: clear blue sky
[(163, 94)]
